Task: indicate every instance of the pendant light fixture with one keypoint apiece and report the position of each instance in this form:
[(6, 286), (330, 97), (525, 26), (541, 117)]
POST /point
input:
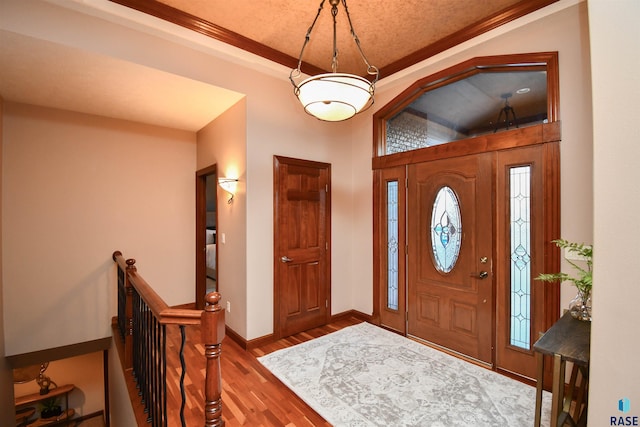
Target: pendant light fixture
[(506, 111), (334, 96)]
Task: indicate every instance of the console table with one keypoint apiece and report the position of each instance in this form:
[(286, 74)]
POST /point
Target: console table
[(64, 419), (568, 340)]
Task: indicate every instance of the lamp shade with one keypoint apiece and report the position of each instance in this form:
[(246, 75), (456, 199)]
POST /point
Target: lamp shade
[(335, 96), (228, 184)]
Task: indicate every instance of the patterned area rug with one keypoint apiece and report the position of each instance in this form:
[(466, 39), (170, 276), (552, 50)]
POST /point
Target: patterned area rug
[(364, 375)]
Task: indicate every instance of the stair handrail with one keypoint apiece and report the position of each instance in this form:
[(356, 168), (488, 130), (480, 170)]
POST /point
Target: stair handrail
[(131, 287)]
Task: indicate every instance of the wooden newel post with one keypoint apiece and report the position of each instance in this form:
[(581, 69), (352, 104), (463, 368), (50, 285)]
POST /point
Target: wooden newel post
[(128, 338), (125, 306), (212, 326)]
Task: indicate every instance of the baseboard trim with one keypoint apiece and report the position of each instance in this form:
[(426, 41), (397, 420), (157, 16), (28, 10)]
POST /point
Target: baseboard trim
[(352, 313), (235, 337), (268, 339)]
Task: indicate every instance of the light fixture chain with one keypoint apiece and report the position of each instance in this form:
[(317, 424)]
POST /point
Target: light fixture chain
[(334, 96), (372, 70), (334, 59), (297, 71)]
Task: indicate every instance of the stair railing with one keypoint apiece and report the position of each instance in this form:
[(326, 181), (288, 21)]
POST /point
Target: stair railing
[(142, 320)]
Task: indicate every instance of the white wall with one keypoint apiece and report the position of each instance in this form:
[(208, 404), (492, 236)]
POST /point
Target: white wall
[(6, 377), (562, 27), (615, 340), (275, 124), (119, 401), (75, 189), (224, 143)]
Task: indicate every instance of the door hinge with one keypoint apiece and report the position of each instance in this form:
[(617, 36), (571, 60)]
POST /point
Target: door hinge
[(326, 188), (326, 303)]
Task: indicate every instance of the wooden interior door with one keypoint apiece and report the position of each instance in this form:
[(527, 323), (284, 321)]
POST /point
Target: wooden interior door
[(450, 303), (301, 245)]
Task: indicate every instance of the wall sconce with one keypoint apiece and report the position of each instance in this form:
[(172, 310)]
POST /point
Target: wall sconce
[(229, 185)]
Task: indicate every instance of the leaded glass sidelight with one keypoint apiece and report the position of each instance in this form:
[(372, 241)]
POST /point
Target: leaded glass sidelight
[(446, 230), (392, 245), (520, 226)]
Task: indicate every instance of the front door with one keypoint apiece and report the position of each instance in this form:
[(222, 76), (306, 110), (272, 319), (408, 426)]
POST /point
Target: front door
[(450, 236), (301, 245)]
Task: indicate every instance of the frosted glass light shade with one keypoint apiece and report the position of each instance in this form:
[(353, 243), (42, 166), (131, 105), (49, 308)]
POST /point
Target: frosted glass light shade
[(335, 96), (229, 185)]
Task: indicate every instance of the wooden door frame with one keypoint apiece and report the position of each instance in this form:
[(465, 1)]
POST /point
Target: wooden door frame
[(508, 356), (201, 225), (382, 315), (277, 161), (547, 134)]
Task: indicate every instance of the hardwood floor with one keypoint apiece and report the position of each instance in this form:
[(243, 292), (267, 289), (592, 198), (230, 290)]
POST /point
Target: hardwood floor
[(251, 395)]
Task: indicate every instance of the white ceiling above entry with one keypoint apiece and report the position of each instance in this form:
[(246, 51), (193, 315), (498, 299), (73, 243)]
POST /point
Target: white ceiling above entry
[(47, 74)]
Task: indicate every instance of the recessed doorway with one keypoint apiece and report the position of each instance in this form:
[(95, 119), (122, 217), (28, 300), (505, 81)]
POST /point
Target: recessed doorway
[(466, 205), (206, 233)]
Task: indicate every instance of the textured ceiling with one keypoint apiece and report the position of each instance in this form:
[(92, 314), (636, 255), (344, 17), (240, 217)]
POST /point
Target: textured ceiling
[(393, 34)]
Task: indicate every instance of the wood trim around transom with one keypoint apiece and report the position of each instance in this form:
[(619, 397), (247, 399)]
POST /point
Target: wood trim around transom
[(537, 134), (521, 61)]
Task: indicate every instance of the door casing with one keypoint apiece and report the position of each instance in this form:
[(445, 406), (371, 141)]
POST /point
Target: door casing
[(545, 138), (201, 225)]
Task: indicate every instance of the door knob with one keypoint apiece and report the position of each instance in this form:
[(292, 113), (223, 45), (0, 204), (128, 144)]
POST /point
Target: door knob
[(481, 275), (285, 259)]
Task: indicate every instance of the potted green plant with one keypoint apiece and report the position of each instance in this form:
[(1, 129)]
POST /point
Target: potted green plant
[(580, 306), (50, 408)]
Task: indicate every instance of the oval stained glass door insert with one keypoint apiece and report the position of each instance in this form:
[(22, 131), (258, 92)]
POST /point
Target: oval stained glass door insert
[(446, 230)]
